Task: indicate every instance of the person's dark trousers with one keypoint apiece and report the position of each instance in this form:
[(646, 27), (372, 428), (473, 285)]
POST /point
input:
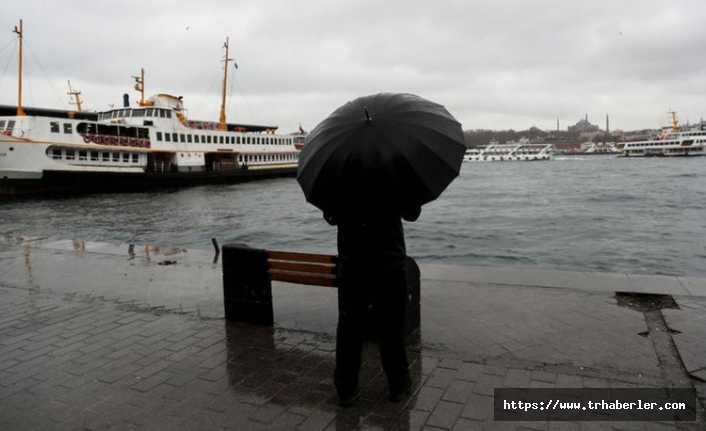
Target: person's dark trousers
[(384, 286)]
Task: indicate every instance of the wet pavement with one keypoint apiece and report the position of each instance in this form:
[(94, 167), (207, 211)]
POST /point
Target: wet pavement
[(103, 336)]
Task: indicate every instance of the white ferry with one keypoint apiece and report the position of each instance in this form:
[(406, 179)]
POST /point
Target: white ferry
[(521, 150), (671, 143), (153, 143)]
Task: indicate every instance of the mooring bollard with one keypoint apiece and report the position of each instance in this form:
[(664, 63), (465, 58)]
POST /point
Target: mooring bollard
[(247, 287)]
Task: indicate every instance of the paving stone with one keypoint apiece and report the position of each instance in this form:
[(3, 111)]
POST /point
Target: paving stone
[(427, 398), (445, 414), (517, 378), (441, 378), (467, 425), (478, 407), (458, 391)]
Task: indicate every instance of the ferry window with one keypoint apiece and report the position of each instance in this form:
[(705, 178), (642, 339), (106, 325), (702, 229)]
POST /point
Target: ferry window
[(56, 153), (116, 157), (148, 112), (53, 126), (196, 138), (67, 128), (126, 157), (10, 124), (161, 113), (188, 138), (169, 114), (159, 136), (237, 139), (175, 138), (208, 139), (2, 124), (135, 157), (167, 137), (182, 138), (94, 155), (106, 157), (83, 155), (138, 112), (70, 155)]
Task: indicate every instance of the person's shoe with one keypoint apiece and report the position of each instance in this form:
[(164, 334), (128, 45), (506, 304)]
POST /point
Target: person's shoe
[(347, 400), (398, 393)]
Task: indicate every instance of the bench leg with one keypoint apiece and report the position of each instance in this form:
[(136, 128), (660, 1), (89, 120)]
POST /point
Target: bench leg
[(247, 287)]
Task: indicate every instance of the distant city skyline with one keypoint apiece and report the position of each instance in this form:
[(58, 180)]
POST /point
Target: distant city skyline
[(500, 65)]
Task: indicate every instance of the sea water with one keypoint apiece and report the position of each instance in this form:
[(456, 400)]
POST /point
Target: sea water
[(600, 213)]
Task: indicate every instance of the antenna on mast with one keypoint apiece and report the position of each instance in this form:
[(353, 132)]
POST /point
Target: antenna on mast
[(20, 34), (76, 94), (226, 59)]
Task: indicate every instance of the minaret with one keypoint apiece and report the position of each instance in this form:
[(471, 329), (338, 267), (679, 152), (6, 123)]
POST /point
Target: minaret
[(557, 124), (607, 124)]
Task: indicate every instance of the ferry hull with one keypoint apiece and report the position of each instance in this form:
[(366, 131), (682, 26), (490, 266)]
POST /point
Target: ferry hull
[(64, 182)]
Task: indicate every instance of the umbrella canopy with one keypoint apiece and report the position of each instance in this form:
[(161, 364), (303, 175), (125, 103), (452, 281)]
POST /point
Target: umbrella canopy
[(387, 150)]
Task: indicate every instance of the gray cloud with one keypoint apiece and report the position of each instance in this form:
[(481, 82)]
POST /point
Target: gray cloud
[(496, 64)]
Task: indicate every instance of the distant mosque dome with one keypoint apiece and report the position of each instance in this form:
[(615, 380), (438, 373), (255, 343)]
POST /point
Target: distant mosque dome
[(583, 125)]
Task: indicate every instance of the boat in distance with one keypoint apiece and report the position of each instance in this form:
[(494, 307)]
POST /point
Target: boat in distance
[(134, 147), (516, 151), (672, 142)]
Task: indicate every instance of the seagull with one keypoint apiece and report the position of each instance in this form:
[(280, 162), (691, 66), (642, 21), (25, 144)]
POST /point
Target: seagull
[(187, 28)]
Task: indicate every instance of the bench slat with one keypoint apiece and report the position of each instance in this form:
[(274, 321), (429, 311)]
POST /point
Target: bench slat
[(303, 278), (301, 257), (316, 268)]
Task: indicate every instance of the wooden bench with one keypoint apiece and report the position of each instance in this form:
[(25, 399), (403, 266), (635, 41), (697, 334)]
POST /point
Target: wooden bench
[(248, 274)]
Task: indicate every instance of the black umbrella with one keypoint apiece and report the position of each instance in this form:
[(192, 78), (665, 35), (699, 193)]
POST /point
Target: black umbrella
[(388, 150)]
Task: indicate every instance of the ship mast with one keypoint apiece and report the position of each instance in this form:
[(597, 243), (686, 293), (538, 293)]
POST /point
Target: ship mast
[(675, 123), (222, 117), (140, 86), (76, 94), (20, 34)]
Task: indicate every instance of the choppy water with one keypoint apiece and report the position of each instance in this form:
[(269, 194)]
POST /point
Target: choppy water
[(597, 213)]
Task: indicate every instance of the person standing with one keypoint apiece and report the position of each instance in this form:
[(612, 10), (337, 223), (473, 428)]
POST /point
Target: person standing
[(372, 259)]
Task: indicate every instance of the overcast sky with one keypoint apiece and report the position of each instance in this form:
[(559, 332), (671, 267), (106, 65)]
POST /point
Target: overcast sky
[(493, 64)]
